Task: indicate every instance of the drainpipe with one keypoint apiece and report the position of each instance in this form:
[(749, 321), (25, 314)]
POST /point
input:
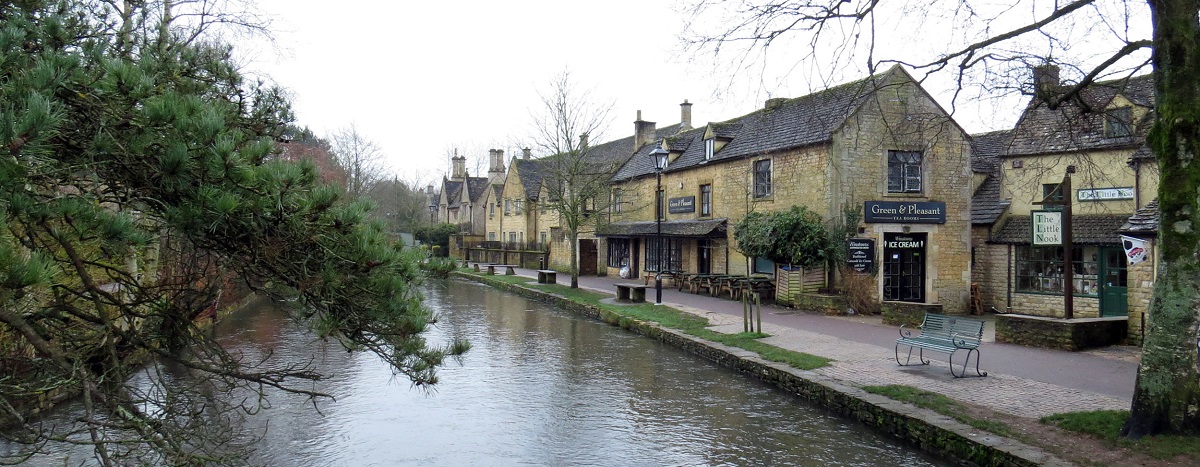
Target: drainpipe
[(1008, 278)]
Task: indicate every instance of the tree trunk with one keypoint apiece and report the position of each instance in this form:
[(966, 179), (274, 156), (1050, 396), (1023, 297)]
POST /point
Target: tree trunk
[(1167, 395), (574, 236)]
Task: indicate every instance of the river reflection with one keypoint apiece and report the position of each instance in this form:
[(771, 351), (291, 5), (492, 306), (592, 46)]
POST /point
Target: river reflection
[(540, 386)]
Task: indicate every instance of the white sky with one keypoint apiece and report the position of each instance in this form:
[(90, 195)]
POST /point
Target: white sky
[(423, 78)]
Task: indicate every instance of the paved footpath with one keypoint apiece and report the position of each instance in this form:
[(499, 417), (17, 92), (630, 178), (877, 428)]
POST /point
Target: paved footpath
[(1021, 381)]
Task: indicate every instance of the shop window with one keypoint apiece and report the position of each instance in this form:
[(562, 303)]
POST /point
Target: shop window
[(706, 200), (762, 178), (904, 171), (618, 252), (672, 251), (1040, 269), (762, 266), (1118, 122)]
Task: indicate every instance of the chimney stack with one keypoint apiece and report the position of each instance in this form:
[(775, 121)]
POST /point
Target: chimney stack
[(496, 161), (1045, 79), (526, 153), (583, 140), (685, 116), (459, 164), (643, 132), (775, 103), (429, 189)]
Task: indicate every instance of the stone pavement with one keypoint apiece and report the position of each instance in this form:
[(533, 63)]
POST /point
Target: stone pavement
[(1021, 381)]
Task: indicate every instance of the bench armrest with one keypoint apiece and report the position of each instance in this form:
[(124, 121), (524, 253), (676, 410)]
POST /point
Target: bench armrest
[(907, 332)]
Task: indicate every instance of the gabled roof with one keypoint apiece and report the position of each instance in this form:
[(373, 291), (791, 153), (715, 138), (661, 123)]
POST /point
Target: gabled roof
[(476, 187), (530, 173), (1078, 125), (986, 205), (789, 123), (453, 191)]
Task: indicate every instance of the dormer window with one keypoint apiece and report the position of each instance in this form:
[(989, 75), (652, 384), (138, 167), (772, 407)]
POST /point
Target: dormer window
[(710, 146), (1118, 122)]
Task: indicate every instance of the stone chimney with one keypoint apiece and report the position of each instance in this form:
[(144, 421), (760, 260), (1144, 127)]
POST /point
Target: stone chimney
[(685, 116), (643, 132), (774, 103), (1045, 79), (495, 161), (429, 189), (459, 164), (526, 153), (583, 140)]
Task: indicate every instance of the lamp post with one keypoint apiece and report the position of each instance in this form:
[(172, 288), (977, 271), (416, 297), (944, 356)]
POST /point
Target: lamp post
[(659, 156)]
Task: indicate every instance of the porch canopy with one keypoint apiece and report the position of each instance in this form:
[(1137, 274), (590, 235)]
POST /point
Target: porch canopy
[(708, 228)]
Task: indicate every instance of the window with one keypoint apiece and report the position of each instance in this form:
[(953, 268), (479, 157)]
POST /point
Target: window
[(491, 236), (672, 250), (1118, 122), (1051, 192), (904, 172), (762, 266), (507, 207), (520, 206), (543, 237), (709, 147), (762, 178), (706, 200), (1040, 269), (618, 252), (492, 211), (616, 200), (512, 237)]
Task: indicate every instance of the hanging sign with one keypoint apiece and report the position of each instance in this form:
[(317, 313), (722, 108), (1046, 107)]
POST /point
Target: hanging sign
[(1135, 249), (862, 254), (1047, 228)]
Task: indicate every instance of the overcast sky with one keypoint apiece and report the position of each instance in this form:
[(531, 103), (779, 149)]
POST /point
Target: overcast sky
[(423, 78)]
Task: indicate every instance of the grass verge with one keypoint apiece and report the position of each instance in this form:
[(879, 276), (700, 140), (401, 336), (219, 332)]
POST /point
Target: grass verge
[(940, 404), (1106, 425), (670, 318)]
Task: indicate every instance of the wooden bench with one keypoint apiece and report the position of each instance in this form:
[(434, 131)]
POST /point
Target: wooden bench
[(547, 276), (508, 269), (631, 292), (944, 334)]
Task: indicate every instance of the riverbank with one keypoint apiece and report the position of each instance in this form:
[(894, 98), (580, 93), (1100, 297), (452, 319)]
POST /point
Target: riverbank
[(978, 435)]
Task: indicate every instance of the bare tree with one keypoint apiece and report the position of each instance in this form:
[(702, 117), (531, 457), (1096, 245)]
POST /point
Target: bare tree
[(361, 158), (575, 178), (984, 50)]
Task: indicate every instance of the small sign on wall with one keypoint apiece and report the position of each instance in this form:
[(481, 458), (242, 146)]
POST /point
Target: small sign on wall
[(1047, 228), (680, 205), (862, 254)]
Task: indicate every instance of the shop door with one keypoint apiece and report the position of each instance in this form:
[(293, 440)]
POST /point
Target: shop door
[(588, 254), (904, 267), (1114, 299), (704, 256)]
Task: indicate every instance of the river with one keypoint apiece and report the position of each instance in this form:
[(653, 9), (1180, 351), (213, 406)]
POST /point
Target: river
[(541, 386)]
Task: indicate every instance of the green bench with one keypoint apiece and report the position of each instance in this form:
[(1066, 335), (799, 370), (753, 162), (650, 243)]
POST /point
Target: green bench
[(943, 334)]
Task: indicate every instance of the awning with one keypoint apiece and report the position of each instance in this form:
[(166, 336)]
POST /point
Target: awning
[(1086, 229), (711, 228)]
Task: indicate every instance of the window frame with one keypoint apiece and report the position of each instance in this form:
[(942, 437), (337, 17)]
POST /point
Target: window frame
[(1038, 270), (1118, 122), (706, 200), (762, 178), (618, 252), (905, 172), (710, 148), (674, 254)]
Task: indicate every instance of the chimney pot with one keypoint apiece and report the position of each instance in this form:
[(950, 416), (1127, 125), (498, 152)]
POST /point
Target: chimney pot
[(685, 116)]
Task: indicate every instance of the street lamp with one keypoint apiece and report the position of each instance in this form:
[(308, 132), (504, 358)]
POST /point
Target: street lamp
[(659, 156)]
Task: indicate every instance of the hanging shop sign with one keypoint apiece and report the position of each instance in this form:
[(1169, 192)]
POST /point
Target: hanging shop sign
[(905, 212), (1104, 194), (862, 254), (1135, 249), (680, 205), (1047, 228)]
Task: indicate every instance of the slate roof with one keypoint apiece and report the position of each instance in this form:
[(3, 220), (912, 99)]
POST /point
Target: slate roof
[(529, 170), (1144, 222), (453, 190), (986, 205), (476, 187), (1086, 229), (675, 228), (1078, 125), (798, 122)]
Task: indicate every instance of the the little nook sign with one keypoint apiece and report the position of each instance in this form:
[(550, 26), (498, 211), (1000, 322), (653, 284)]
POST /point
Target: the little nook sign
[(684, 204), (905, 212), (1047, 228)]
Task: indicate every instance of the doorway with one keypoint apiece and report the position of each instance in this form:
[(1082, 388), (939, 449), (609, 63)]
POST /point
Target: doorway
[(704, 256), (904, 267), (1114, 296), (588, 253)]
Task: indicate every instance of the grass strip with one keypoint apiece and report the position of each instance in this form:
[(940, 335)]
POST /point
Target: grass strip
[(670, 318), (1106, 425), (940, 404)]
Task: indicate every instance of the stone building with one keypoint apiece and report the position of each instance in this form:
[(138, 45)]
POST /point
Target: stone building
[(1096, 144), (880, 146), (461, 199)]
